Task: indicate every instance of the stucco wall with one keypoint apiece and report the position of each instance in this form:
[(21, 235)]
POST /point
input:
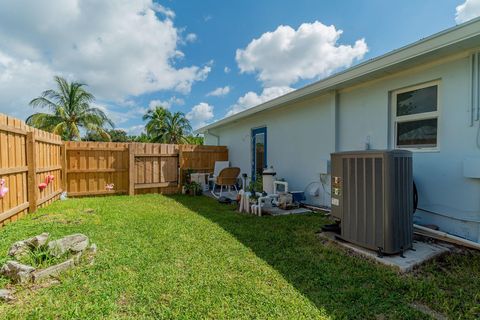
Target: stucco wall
[(364, 111), (295, 141), (303, 133)]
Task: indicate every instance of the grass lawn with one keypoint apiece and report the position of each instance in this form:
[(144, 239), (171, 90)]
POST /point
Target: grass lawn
[(192, 258)]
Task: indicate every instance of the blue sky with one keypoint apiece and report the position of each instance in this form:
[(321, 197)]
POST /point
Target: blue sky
[(138, 53)]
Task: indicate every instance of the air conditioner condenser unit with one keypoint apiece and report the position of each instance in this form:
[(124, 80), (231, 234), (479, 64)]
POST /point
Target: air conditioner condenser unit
[(372, 196)]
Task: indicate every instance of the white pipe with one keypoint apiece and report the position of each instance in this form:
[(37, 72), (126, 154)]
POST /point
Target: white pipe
[(214, 135), (468, 243)]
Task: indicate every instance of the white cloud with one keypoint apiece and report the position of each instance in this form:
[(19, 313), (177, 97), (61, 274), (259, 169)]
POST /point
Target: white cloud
[(191, 37), (167, 104), (21, 80), (134, 130), (468, 10), (157, 7), (252, 99), (286, 55), (226, 69), (120, 117), (200, 115), (119, 48), (221, 91)]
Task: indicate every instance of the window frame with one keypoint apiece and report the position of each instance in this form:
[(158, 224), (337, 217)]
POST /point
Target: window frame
[(415, 117)]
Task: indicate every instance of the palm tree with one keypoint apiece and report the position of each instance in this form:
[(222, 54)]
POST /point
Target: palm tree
[(71, 109), (155, 126), (167, 127), (177, 128)]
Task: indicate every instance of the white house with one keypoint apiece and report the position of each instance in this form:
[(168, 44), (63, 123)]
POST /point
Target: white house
[(424, 97)]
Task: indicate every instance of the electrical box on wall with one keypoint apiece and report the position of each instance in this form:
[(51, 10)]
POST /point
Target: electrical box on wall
[(324, 166), (471, 168)]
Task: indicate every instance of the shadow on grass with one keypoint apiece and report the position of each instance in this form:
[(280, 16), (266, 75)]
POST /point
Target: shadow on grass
[(345, 286)]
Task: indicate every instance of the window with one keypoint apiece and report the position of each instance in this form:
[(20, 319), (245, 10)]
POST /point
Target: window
[(415, 118)]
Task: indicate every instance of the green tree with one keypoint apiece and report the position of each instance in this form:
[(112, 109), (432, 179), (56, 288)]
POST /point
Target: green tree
[(195, 139), (116, 135), (70, 110), (166, 127), (143, 137)]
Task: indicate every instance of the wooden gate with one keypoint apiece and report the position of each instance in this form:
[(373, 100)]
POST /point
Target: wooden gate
[(155, 168), (133, 168)]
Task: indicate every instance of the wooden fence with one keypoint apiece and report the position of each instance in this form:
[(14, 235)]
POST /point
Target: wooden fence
[(134, 168), (27, 156)]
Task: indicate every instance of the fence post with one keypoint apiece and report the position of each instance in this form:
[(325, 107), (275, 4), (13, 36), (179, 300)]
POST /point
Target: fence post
[(63, 150), (180, 171), (32, 173), (131, 169)]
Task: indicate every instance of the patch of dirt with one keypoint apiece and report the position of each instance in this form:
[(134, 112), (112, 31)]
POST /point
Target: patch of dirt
[(45, 283), (60, 219), (123, 300), (427, 311)]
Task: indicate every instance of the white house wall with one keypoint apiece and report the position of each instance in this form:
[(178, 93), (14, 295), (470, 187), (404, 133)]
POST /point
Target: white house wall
[(300, 135), (295, 141), (364, 112)]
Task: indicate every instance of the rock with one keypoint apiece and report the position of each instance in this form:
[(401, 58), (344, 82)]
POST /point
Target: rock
[(38, 241), (77, 256), (19, 249), (6, 295), (53, 270), (93, 249), (73, 243), (17, 272), (23, 247)]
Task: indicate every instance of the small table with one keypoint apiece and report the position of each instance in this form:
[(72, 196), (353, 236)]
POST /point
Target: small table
[(201, 178)]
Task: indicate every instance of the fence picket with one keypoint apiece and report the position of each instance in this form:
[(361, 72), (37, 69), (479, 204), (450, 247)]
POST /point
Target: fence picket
[(29, 155)]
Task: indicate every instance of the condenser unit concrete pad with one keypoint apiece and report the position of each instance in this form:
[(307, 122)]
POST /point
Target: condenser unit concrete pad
[(424, 251)]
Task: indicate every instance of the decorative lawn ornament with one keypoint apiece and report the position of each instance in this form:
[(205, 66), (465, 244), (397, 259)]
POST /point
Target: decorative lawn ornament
[(109, 187), (49, 178), (42, 186), (3, 189)]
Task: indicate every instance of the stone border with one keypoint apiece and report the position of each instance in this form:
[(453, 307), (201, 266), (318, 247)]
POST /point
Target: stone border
[(75, 244)]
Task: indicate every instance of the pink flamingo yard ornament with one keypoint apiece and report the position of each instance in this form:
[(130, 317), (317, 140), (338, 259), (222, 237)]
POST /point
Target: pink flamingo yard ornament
[(3, 189), (49, 178)]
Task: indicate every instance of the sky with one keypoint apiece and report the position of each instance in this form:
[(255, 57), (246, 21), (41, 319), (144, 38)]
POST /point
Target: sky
[(208, 59)]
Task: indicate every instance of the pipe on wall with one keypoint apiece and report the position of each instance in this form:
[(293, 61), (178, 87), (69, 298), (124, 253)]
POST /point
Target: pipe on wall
[(474, 88), (214, 135), (477, 84), (446, 237)]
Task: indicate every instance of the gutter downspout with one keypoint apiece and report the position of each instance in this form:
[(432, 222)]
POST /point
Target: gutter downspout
[(477, 82), (474, 94), (214, 135), (334, 104)]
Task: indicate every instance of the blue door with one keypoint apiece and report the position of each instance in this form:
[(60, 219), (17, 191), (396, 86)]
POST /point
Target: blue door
[(259, 151)]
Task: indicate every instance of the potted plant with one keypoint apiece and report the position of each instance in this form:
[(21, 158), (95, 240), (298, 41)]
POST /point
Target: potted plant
[(255, 186), (193, 188)]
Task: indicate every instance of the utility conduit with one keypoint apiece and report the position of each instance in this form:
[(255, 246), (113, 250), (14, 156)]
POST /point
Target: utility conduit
[(440, 235)]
